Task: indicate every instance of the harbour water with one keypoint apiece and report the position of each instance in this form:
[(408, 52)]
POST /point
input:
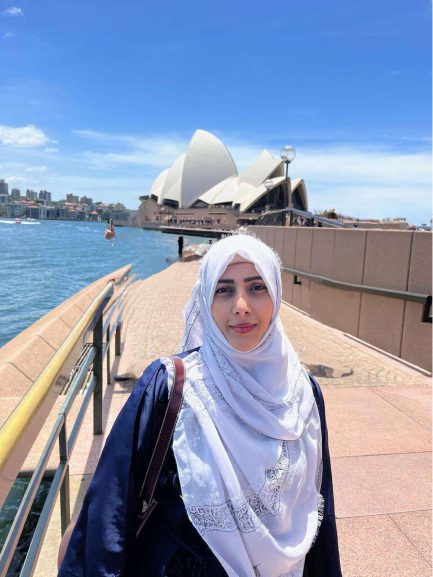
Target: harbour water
[(43, 263), (7, 514), (46, 262)]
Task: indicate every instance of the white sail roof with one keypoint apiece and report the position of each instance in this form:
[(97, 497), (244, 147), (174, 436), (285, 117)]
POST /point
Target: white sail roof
[(254, 193), (158, 185), (207, 163), (248, 195), (211, 196), (299, 185), (262, 168), (172, 184)]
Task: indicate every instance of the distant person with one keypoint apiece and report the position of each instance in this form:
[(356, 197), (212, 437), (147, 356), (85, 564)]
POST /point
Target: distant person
[(245, 489), (180, 246), (110, 232)]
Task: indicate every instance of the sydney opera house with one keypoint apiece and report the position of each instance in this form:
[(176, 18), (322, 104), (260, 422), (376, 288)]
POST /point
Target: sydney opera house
[(204, 182)]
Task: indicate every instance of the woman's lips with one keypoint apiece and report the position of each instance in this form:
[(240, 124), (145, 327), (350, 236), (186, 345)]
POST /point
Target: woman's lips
[(242, 328)]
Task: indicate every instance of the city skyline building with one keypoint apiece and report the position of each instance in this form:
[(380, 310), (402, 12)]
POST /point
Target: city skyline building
[(45, 195), (42, 206), (72, 198), (3, 187), (31, 194)]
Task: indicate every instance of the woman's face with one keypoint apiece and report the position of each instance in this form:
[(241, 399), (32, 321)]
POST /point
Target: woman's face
[(242, 306)]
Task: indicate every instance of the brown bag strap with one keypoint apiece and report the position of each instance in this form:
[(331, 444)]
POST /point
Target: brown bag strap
[(162, 443)]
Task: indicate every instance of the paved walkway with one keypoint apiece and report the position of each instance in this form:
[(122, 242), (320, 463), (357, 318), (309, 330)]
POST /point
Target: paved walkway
[(379, 422)]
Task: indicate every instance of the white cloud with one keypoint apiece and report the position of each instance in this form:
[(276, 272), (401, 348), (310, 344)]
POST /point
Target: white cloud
[(93, 134), (13, 11), (359, 165), (106, 160), (36, 169), (90, 134), (7, 35), (23, 136), (155, 151), (51, 150), (16, 179), (362, 182)]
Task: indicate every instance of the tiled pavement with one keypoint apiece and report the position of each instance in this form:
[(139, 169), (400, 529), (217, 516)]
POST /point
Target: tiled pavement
[(379, 421)]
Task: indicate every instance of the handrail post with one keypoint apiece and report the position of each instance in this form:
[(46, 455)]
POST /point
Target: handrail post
[(65, 493), (107, 338), (118, 340), (98, 371)]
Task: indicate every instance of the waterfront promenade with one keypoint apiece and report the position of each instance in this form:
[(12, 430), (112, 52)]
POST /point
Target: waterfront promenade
[(379, 422)]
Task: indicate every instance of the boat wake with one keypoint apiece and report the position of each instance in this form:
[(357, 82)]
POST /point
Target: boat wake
[(14, 222)]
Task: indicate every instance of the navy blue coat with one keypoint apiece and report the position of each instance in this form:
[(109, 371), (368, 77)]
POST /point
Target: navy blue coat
[(103, 543)]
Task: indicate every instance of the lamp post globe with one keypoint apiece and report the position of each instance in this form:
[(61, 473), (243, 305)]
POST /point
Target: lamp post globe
[(268, 184), (288, 153)]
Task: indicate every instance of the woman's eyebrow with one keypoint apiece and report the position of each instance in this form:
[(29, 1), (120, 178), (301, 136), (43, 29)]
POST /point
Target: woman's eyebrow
[(250, 278), (231, 281)]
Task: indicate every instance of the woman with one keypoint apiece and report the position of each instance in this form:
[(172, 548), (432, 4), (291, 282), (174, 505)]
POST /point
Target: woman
[(246, 488)]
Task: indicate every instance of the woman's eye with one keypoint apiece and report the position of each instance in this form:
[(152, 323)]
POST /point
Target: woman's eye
[(258, 287), (223, 289)]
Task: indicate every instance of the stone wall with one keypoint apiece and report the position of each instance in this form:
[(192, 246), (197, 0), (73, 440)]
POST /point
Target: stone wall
[(23, 358), (399, 260)]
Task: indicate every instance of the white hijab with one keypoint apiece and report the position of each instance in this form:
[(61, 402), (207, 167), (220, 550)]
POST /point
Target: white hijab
[(247, 441)]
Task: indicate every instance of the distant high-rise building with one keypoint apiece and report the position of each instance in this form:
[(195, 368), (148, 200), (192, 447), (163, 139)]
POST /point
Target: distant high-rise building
[(72, 198), (15, 193), (86, 200), (3, 187), (32, 194), (45, 195)]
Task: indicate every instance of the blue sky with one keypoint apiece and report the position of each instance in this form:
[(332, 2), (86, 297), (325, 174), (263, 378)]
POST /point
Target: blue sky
[(97, 98)]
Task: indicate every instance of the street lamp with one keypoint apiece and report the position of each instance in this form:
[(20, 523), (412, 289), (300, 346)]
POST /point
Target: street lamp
[(268, 185), (288, 154)]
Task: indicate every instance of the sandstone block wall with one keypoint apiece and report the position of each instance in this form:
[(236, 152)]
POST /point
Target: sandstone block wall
[(23, 358), (390, 259)]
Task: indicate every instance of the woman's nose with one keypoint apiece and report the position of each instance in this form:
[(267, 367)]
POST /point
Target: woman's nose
[(241, 305)]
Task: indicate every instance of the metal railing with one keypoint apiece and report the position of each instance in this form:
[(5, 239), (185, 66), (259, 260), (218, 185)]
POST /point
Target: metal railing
[(277, 217), (103, 318), (392, 293)]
